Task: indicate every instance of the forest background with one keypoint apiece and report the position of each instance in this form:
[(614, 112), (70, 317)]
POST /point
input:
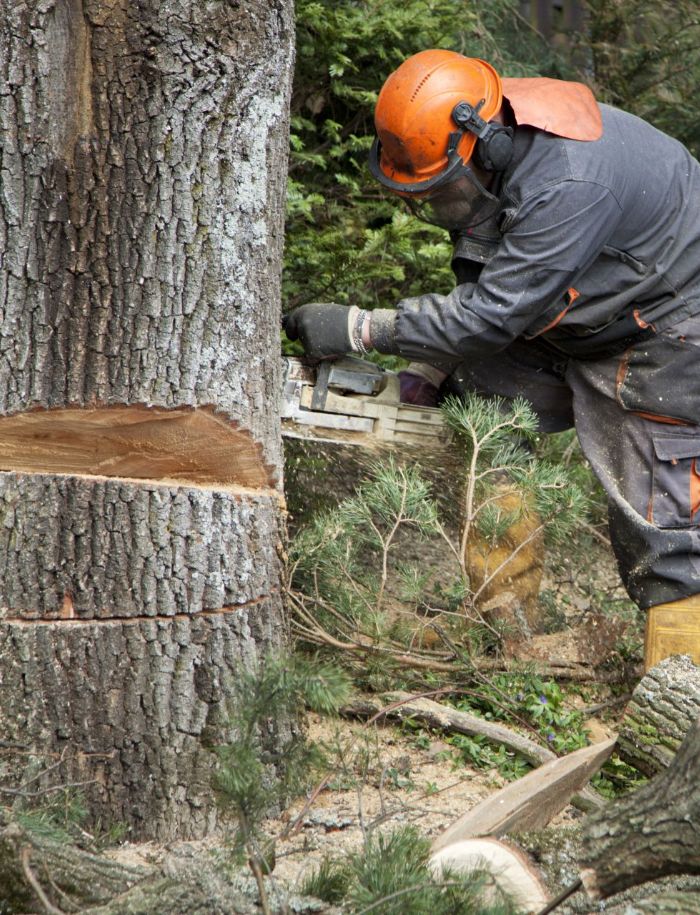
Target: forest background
[(349, 242)]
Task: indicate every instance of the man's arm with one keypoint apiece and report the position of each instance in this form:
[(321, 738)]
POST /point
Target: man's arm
[(552, 240)]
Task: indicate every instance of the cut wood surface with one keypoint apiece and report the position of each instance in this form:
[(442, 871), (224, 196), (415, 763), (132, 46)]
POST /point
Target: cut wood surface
[(399, 705), (532, 801), (511, 868), (662, 709), (194, 446)]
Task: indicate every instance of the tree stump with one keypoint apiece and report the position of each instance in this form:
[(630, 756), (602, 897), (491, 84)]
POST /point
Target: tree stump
[(662, 709), (143, 149)]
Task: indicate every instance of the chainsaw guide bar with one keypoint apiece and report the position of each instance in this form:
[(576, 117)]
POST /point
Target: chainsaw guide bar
[(351, 399)]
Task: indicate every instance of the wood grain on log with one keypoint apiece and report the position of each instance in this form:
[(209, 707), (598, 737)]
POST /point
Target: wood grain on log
[(532, 801), (183, 445)]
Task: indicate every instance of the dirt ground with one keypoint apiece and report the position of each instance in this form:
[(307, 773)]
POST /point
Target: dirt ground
[(384, 776), (396, 782)]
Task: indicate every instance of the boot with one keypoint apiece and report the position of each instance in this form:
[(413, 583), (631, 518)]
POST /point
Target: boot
[(673, 629)]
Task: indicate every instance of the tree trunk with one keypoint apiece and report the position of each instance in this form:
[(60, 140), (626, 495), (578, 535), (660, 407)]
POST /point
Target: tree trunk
[(652, 833), (663, 706), (143, 153)]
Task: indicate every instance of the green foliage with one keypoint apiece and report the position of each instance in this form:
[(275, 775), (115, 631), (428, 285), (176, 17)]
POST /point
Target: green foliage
[(279, 688), (617, 778), (330, 881), (497, 436), (645, 57), (390, 876), (341, 559), (347, 568), (541, 703)]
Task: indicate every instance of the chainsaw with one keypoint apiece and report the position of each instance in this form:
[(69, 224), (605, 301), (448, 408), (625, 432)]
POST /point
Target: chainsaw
[(353, 400)]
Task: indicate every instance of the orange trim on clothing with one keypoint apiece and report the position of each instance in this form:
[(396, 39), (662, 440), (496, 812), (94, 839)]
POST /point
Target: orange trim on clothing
[(655, 418), (573, 295), (694, 489), (641, 322)]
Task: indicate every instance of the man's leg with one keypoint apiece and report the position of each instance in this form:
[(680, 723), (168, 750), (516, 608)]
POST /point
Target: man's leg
[(637, 419)]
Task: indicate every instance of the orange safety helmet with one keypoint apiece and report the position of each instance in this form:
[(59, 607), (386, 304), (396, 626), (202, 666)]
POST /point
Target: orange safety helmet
[(430, 114)]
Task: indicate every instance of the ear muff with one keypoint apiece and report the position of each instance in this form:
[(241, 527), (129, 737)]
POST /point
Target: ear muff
[(494, 147)]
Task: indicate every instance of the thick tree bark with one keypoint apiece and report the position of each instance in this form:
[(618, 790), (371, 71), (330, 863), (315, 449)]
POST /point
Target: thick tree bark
[(143, 157), (652, 833), (194, 879), (671, 903), (663, 706)]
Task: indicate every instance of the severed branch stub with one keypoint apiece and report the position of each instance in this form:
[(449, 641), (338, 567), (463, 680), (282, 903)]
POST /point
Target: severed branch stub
[(652, 833)]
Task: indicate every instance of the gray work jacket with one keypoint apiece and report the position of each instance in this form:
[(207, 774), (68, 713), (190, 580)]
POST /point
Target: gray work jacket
[(595, 241)]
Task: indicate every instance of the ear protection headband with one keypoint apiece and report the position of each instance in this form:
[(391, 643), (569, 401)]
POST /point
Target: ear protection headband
[(494, 147)]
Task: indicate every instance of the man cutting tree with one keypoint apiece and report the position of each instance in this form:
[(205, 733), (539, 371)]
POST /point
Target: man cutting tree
[(576, 231)]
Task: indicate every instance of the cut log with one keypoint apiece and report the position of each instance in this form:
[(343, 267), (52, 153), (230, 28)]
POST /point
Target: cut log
[(512, 870), (651, 833), (532, 801), (41, 874), (400, 706), (663, 706)]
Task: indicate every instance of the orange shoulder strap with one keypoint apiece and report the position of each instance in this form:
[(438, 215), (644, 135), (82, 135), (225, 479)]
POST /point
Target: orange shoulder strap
[(566, 109)]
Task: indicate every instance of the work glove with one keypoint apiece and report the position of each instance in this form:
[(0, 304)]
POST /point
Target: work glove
[(326, 329)]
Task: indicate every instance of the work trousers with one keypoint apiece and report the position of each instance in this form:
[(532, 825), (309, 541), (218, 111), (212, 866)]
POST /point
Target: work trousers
[(637, 415)]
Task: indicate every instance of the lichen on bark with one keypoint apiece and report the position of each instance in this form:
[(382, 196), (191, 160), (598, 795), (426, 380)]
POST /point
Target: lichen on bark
[(143, 152)]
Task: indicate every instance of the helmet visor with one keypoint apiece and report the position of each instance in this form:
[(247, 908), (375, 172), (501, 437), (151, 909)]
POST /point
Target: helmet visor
[(461, 204)]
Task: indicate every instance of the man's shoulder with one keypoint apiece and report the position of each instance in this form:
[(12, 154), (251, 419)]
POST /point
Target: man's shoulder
[(627, 154)]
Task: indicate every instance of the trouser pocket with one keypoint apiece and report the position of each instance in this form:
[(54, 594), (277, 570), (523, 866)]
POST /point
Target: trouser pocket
[(675, 498), (660, 380)]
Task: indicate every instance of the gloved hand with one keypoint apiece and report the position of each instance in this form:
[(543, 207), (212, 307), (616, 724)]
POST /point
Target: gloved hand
[(323, 328)]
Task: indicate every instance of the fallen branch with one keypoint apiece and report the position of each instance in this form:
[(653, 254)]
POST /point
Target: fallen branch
[(443, 718)]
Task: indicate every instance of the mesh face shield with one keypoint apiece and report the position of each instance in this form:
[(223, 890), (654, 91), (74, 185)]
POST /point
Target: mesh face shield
[(452, 199), (461, 204)]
